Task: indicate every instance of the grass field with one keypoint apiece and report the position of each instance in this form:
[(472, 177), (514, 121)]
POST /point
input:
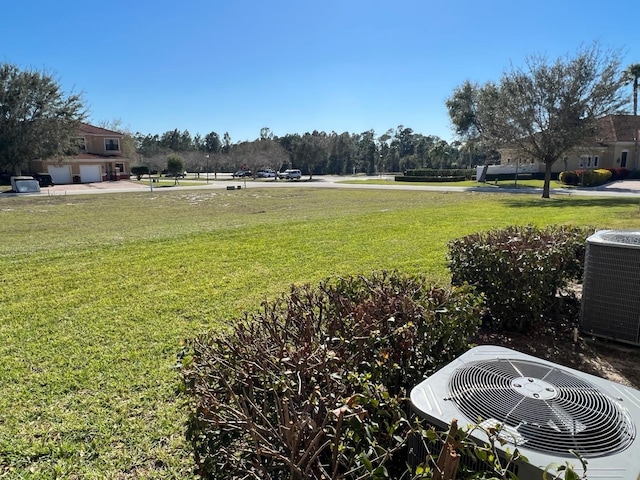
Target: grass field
[(99, 291)]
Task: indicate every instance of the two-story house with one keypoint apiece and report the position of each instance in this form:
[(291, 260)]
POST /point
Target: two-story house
[(99, 158), (615, 145)]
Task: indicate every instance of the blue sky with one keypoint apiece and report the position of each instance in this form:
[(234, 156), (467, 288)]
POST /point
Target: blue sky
[(295, 66)]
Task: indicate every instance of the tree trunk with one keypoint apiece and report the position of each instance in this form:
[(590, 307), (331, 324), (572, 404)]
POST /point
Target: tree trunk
[(547, 179)]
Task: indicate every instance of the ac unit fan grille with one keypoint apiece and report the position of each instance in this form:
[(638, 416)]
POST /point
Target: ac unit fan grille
[(548, 410)]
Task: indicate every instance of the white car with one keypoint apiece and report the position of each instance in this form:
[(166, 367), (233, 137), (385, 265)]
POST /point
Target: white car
[(290, 174), (266, 173)]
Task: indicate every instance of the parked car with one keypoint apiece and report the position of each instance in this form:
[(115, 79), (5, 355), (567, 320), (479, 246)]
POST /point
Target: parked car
[(243, 173), (266, 173), (290, 174), (44, 179)]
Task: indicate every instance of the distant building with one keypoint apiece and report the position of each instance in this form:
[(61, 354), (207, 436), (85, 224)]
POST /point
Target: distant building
[(99, 158), (615, 145)]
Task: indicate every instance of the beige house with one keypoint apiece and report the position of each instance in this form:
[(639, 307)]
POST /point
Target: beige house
[(100, 158), (614, 146)]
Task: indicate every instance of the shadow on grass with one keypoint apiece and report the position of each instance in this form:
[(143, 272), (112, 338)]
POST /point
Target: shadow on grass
[(561, 201)]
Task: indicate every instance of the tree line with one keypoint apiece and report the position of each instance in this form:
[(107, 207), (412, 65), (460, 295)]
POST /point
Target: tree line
[(315, 153)]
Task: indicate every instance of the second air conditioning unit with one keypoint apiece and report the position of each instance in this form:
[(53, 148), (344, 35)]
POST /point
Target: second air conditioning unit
[(611, 287)]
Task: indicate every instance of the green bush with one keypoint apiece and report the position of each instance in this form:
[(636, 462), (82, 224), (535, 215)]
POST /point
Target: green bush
[(569, 177), (315, 385), (588, 178), (520, 270), (140, 170), (594, 178), (466, 173), (405, 178)]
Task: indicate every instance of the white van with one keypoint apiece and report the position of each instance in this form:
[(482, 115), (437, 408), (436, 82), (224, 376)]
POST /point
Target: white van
[(290, 175)]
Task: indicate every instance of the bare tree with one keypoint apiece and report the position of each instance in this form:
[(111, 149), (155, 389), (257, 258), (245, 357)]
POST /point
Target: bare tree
[(546, 108)]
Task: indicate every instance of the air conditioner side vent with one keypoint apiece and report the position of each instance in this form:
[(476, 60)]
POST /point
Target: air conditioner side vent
[(611, 286)]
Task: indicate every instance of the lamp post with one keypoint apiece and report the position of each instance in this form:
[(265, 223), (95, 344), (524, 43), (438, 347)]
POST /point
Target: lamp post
[(207, 168)]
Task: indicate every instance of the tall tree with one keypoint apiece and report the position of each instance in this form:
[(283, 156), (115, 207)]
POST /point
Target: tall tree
[(632, 74), (226, 143), (37, 119), (310, 151), (545, 109)]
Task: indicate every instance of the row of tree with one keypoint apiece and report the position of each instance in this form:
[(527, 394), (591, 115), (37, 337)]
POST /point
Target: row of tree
[(396, 150)]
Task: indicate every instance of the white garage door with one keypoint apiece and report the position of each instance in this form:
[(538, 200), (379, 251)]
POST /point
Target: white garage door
[(60, 175), (90, 173)]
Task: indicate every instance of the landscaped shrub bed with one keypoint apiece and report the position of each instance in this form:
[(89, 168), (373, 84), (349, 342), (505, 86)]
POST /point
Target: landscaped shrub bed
[(315, 384), (520, 270), (591, 178), (405, 178), (466, 173)]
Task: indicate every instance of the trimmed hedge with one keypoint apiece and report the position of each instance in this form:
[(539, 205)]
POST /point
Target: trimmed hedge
[(315, 385), (401, 178), (466, 173), (591, 178), (520, 270)]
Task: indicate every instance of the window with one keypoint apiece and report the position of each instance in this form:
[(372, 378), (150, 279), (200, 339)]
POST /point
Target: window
[(111, 144), (595, 160), (120, 167), (623, 159), (80, 143)]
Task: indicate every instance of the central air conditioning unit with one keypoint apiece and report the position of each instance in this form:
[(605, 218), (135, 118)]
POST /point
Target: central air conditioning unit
[(611, 286), (544, 409)]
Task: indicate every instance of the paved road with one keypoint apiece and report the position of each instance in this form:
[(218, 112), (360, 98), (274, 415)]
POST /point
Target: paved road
[(620, 188)]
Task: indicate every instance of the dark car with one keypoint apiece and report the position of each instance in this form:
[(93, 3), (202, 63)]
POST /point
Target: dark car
[(243, 173), (44, 179)]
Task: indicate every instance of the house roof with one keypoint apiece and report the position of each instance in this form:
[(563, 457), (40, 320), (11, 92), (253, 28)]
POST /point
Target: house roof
[(618, 128), (92, 130)]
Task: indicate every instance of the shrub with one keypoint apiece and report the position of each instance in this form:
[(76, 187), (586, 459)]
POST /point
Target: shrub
[(587, 178), (139, 170), (465, 173), (406, 178), (520, 270), (569, 177), (314, 386), (619, 173)]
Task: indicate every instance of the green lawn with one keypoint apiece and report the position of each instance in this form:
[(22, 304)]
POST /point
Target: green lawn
[(98, 292)]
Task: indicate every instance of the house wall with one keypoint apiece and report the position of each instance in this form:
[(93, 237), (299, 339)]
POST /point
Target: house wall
[(97, 144), (610, 156)]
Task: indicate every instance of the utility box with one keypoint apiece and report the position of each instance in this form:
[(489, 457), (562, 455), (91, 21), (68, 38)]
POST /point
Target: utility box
[(25, 184)]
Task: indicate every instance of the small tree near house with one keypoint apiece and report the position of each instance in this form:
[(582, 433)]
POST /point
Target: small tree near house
[(140, 170)]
